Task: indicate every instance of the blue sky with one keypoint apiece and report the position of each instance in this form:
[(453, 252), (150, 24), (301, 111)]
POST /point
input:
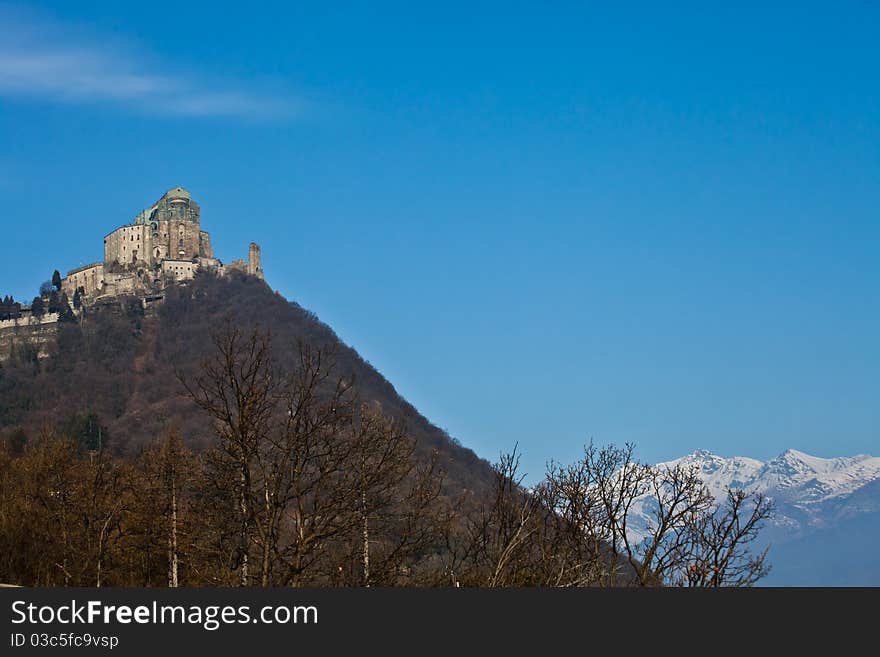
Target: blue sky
[(544, 223)]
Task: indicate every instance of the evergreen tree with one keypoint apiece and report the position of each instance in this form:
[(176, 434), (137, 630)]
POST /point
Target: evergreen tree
[(66, 313), (56, 279), (55, 305)]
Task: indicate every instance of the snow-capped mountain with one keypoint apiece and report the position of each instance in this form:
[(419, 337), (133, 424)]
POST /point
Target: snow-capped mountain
[(806, 489), (818, 503)]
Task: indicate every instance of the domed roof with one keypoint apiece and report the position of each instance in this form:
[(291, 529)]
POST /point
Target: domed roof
[(177, 192)]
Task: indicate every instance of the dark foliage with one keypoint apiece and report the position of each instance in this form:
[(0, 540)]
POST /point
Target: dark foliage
[(38, 307), (10, 308)]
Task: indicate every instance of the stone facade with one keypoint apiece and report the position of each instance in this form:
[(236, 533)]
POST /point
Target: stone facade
[(90, 278), (179, 270), (163, 244), (255, 260), (38, 332)]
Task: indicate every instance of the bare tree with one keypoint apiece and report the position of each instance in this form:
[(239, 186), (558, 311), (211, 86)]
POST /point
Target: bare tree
[(311, 467), (686, 540), (496, 545), (677, 498), (396, 498), (619, 481), (167, 474), (238, 390), (574, 546), (720, 553)]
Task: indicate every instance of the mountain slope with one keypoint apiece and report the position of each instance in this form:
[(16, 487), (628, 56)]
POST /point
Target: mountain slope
[(122, 367)]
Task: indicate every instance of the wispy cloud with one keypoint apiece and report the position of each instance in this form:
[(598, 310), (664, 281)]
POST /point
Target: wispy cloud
[(42, 59)]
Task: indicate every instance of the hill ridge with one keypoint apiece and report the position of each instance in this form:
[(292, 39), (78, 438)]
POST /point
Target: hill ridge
[(120, 363)]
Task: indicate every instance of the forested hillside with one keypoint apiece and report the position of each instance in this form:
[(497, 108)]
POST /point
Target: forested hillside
[(119, 369), (225, 437)]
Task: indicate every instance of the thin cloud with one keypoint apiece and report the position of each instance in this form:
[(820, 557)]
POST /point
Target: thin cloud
[(43, 60)]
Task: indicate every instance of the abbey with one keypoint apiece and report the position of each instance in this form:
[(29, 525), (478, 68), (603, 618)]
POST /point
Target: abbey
[(163, 244)]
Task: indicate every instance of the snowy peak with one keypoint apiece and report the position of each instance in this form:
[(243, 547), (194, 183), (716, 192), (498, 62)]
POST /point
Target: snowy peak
[(805, 462), (786, 474), (792, 462), (813, 496), (817, 478), (720, 473), (809, 491)]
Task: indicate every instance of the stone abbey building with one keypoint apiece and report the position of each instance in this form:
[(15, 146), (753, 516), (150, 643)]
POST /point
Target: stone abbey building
[(163, 244)]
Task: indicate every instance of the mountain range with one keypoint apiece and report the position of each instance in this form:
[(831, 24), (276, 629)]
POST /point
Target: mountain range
[(826, 525)]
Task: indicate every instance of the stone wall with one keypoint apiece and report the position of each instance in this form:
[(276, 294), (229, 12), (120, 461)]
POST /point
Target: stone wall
[(125, 282), (205, 248), (236, 265), (90, 277), (127, 245), (180, 239), (255, 260), (37, 331), (179, 270), (28, 321)]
